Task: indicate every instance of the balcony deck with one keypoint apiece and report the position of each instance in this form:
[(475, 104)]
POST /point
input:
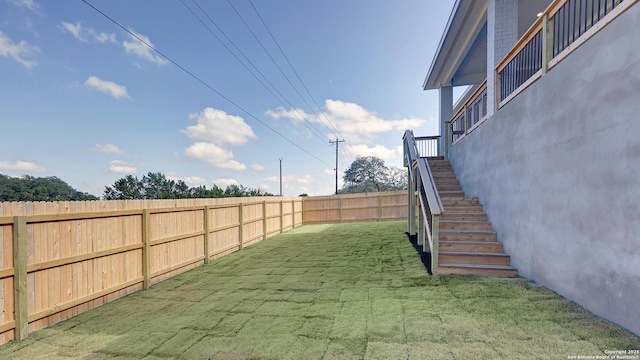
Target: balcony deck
[(343, 291)]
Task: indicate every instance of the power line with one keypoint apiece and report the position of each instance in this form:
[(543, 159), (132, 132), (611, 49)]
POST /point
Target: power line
[(291, 65), (312, 129), (331, 125), (273, 60), (201, 81)]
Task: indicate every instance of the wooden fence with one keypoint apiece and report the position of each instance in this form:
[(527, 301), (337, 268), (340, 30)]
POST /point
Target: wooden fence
[(59, 259), (382, 206)]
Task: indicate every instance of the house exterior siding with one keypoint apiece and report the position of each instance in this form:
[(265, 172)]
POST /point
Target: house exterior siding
[(502, 34), (558, 170)]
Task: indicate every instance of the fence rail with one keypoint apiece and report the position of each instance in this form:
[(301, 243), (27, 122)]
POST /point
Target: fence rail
[(60, 259)]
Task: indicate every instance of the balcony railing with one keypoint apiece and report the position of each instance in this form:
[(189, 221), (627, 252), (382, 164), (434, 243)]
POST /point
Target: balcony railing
[(428, 146), (470, 114), (557, 32), (575, 17)]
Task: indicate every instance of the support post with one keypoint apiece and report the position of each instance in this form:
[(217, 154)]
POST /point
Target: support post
[(421, 232), (411, 211), (20, 277), (146, 256), (445, 111), (547, 43), (340, 210), (206, 234), (435, 235), (281, 217)]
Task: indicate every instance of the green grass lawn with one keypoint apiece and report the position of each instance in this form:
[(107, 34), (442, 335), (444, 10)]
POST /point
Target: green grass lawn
[(348, 291)]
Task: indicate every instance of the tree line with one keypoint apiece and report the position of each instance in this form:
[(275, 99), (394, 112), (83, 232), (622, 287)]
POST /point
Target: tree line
[(157, 186), (29, 188), (365, 174)]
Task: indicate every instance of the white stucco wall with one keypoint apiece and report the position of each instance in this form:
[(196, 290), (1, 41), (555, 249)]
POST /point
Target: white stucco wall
[(558, 171)]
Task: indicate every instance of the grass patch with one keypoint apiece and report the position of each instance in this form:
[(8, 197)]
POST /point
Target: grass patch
[(345, 291)]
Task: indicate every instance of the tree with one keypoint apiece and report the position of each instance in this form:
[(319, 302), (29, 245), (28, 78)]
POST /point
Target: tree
[(157, 186), (29, 188), (370, 174)]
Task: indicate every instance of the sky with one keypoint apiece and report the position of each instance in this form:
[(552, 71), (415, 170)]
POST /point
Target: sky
[(220, 102)]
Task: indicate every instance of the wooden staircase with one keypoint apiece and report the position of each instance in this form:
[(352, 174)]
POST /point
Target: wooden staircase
[(467, 243)]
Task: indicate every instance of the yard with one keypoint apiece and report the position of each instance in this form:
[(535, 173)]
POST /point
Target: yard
[(347, 291)]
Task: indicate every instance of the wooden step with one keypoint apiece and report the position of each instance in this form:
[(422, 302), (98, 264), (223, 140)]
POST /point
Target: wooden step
[(448, 187), (444, 194), (480, 216), (480, 270), (467, 235), (459, 257), (453, 201), (471, 246), (465, 209), (442, 174), (433, 161), (448, 224), (446, 181)]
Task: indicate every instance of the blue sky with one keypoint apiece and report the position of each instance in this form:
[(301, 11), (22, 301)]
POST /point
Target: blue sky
[(84, 100)]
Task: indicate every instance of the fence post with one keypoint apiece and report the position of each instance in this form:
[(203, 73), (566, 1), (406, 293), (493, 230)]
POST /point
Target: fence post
[(264, 220), (281, 216), (146, 256), (20, 277), (379, 207), (241, 225), (340, 209), (206, 234), (293, 214)]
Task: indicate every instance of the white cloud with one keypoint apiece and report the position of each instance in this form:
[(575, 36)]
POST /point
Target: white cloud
[(214, 155), (108, 148), (257, 167), (18, 52), (107, 87), (26, 4), (195, 180), (329, 171), (122, 167), (353, 122), (292, 114), (87, 34), (21, 166), (379, 151), (189, 180), (218, 127), (224, 182), (140, 49), (304, 179)]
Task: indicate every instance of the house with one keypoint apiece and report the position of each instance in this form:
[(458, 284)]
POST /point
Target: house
[(547, 137)]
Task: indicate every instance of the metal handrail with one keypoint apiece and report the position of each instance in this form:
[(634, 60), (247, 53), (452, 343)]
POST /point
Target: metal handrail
[(428, 184)]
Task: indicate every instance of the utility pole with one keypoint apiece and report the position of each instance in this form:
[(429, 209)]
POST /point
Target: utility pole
[(337, 142), (280, 176)]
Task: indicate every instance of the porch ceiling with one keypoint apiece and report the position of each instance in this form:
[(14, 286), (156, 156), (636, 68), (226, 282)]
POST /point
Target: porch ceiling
[(461, 58)]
